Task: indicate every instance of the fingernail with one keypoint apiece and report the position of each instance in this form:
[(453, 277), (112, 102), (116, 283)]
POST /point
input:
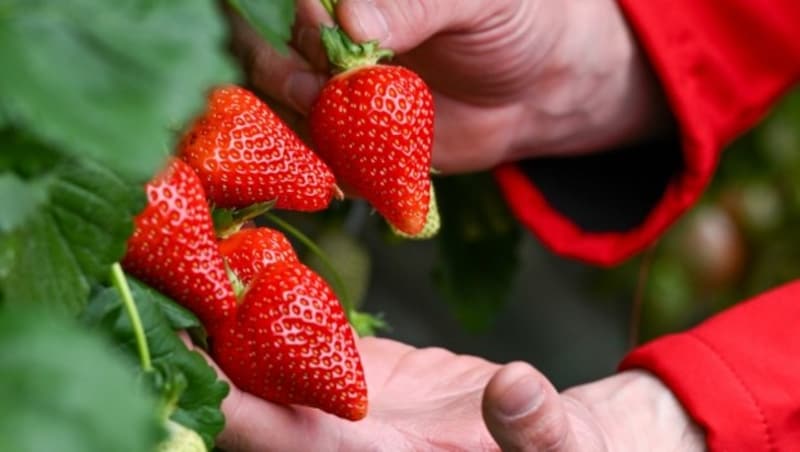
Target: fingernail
[(302, 89), (522, 397), (370, 19)]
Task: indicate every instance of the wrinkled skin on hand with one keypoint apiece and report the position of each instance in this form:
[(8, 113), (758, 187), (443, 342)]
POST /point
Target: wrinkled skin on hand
[(511, 78), (420, 399), (431, 399)]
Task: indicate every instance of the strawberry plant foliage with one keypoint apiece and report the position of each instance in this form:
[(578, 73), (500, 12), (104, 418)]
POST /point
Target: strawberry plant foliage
[(64, 389), (272, 19), (91, 95), (71, 240), (106, 80), (198, 404), (22, 197)]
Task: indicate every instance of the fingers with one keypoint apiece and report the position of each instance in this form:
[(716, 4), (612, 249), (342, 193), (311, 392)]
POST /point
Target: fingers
[(524, 413), (306, 37), (288, 78), (401, 25), (255, 425)]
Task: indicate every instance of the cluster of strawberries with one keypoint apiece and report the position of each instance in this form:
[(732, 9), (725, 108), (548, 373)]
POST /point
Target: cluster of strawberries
[(275, 327)]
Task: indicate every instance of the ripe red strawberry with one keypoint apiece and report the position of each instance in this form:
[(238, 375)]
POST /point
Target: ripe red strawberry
[(290, 343), (245, 155), (173, 247), (249, 251), (374, 126)]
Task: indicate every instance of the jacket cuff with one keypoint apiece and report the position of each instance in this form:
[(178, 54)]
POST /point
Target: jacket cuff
[(737, 373), (708, 388)]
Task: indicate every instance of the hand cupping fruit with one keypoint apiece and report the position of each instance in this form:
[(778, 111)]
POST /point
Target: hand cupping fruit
[(275, 327)]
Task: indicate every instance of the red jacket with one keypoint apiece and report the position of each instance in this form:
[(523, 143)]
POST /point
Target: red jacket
[(722, 64)]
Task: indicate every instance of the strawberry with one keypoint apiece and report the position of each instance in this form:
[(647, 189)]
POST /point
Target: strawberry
[(173, 247), (374, 126), (249, 251), (246, 155), (290, 343)]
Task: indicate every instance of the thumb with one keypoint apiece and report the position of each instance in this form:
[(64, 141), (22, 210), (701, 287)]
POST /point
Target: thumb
[(401, 25), (524, 413)]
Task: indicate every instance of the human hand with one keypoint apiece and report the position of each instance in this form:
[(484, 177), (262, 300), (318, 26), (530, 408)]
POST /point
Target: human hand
[(419, 399), (430, 399), (511, 78), (630, 411)]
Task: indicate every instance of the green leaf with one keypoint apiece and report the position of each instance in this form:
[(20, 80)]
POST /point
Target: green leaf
[(19, 199), (24, 168), (272, 19), (179, 318), (107, 80), (478, 247), (198, 406), (25, 156), (62, 389), (73, 239)]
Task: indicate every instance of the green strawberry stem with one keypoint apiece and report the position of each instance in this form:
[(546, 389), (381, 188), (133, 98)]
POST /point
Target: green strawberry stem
[(229, 221), (347, 303), (344, 54), (367, 324), (329, 6), (121, 284), (238, 286)]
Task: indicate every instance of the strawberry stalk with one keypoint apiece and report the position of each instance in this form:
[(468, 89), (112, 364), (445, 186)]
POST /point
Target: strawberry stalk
[(121, 284), (329, 6), (229, 221), (347, 303)]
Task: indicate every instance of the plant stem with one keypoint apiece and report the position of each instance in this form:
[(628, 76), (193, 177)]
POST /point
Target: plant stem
[(121, 284), (329, 7), (337, 279), (638, 297)]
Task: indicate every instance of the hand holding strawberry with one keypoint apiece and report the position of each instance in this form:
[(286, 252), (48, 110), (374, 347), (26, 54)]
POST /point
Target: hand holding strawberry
[(512, 79)]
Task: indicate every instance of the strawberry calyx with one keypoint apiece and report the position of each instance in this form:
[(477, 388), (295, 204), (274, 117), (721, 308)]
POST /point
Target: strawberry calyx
[(344, 54), (239, 287), (367, 325)]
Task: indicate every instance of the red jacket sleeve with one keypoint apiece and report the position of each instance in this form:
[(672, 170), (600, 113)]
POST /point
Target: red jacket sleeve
[(722, 63), (737, 374)]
